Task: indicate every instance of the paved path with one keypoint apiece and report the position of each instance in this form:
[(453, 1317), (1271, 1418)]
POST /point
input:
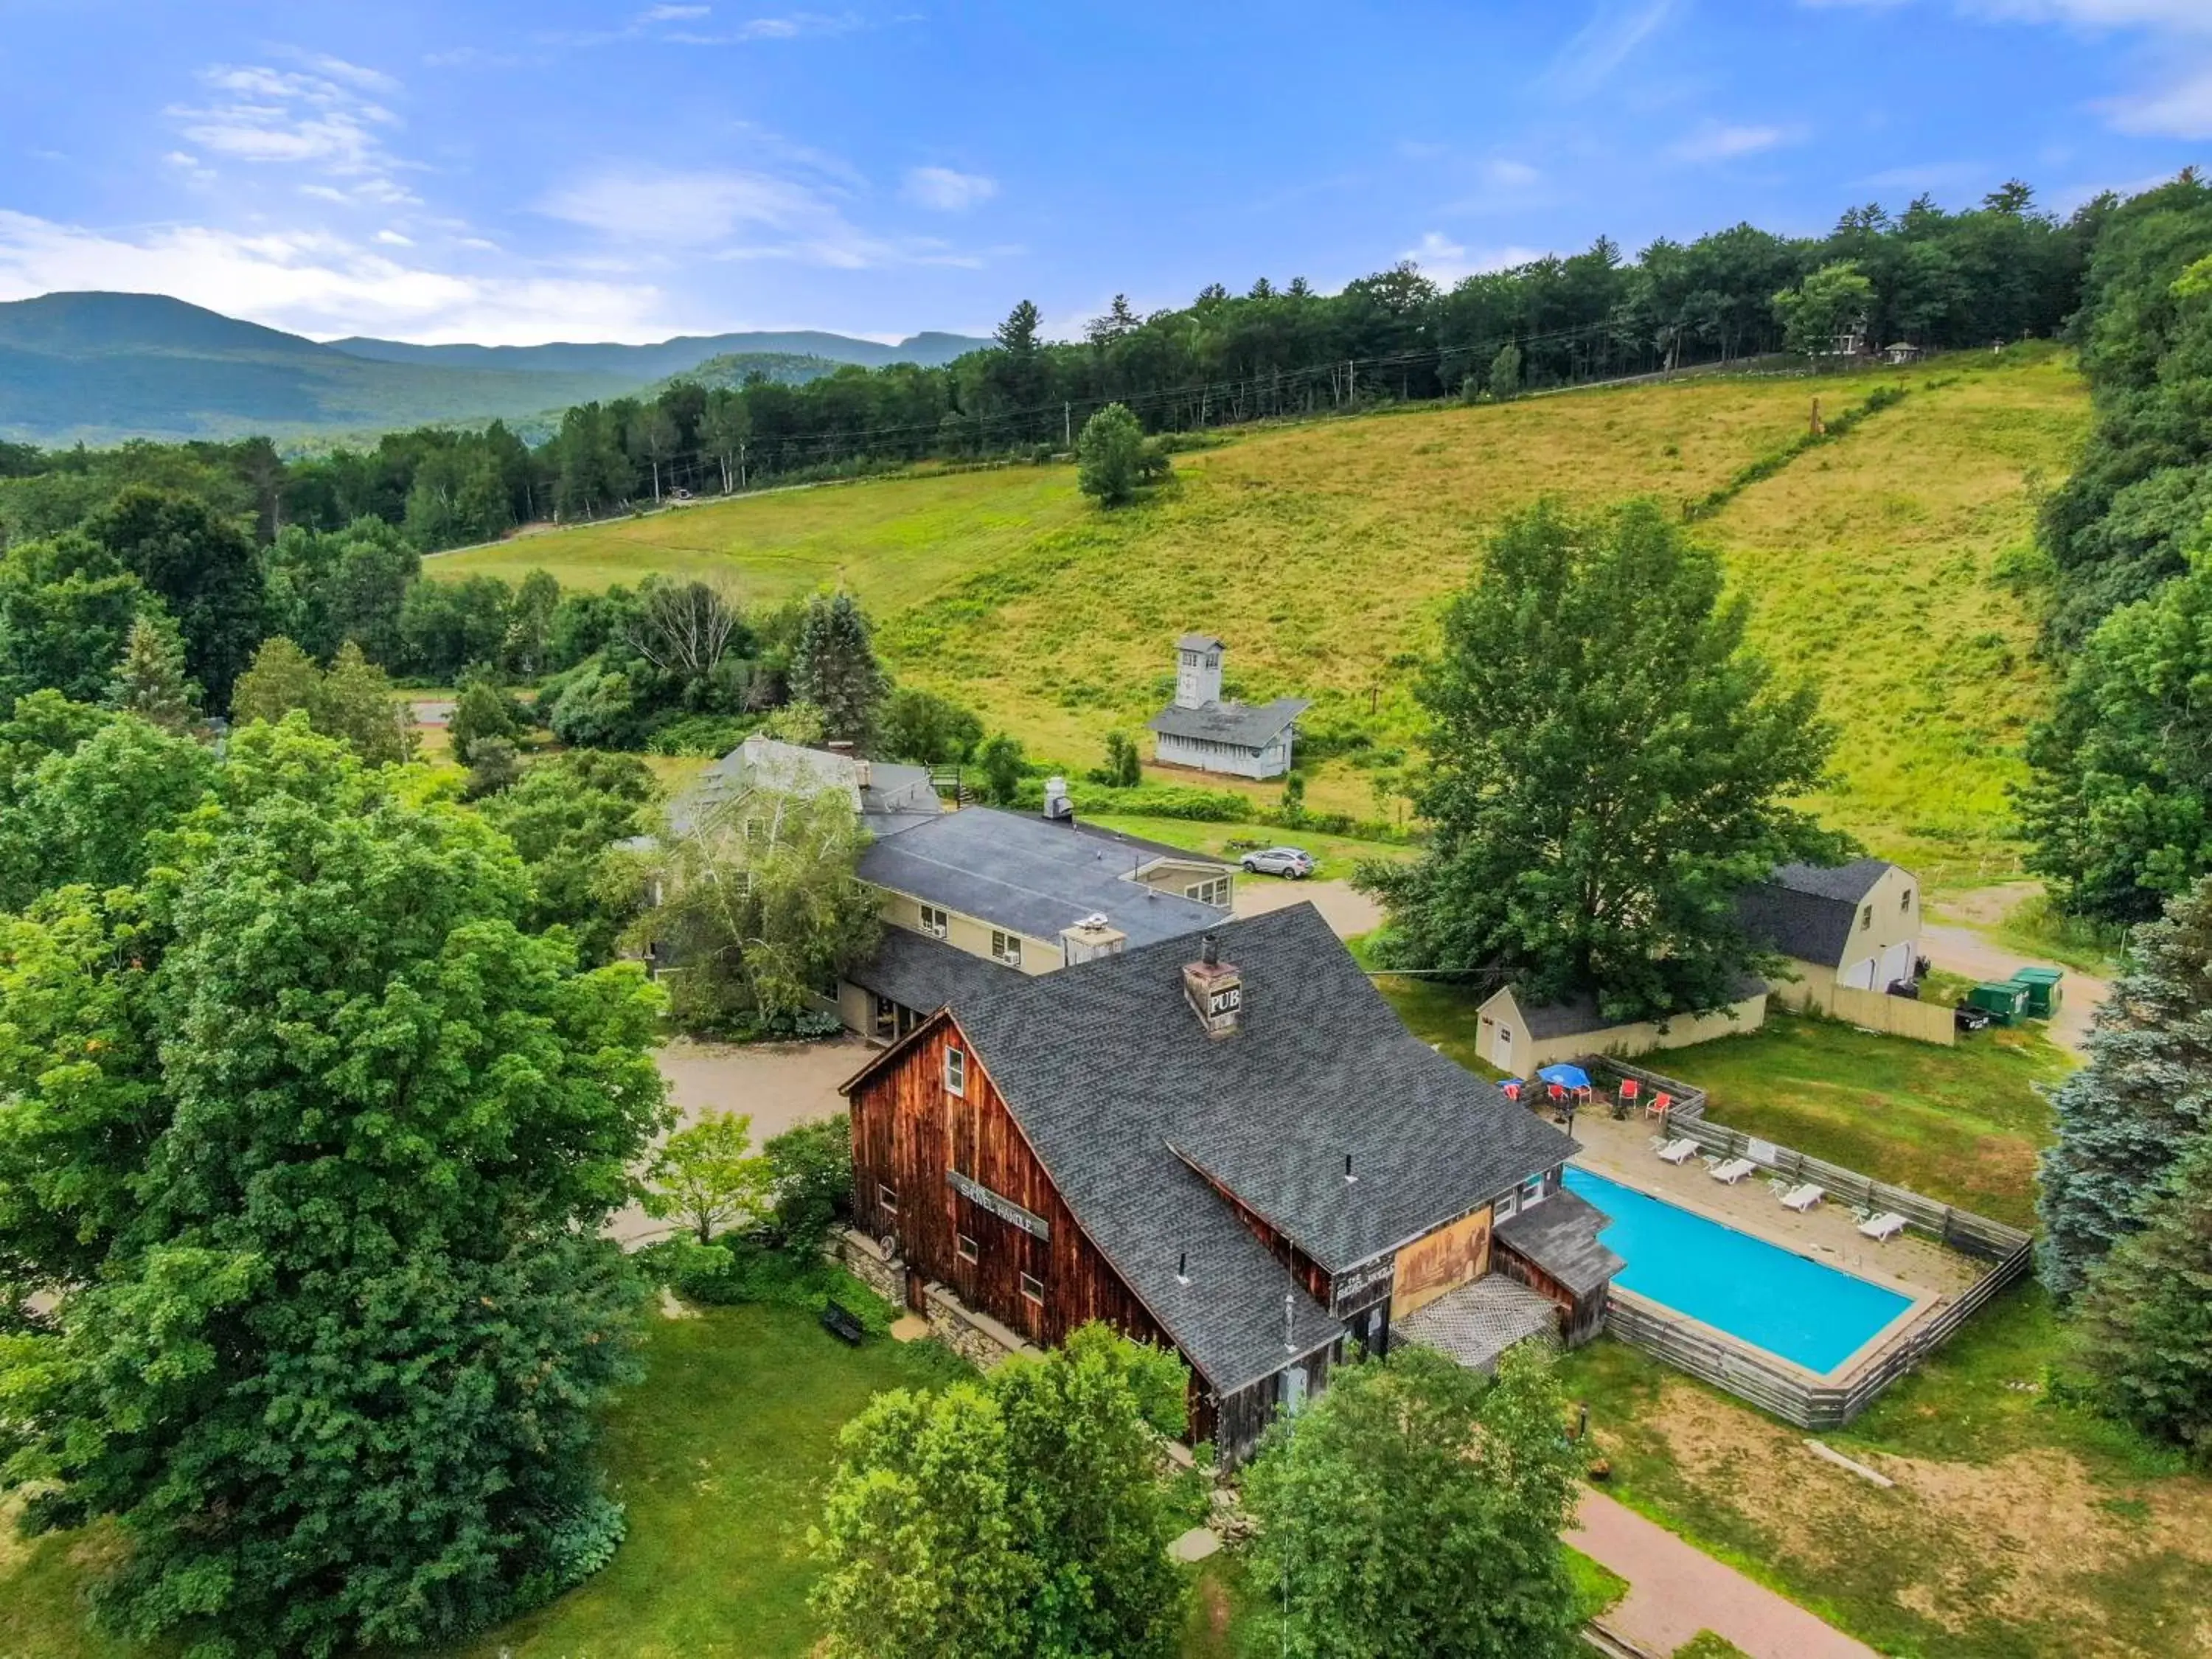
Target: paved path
[(1963, 951), (1675, 1591)]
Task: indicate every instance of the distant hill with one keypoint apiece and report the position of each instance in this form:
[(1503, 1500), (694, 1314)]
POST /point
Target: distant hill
[(734, 368), (641, 363), (98, 367)]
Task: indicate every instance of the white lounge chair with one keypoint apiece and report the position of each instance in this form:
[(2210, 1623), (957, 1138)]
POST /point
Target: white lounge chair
[(1884, 1227), (1680, 1150), (1803, 1198), (1733, 1170)]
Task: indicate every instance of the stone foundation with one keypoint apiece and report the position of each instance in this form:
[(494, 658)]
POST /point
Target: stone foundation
[(978, 1338), (864, 1258)]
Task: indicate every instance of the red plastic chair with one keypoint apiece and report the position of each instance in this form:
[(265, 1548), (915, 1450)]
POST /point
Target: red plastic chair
[(1629, 1090), (1659, 1104)]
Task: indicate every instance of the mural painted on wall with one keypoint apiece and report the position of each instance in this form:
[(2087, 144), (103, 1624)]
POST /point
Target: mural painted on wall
[(1445, 1260)]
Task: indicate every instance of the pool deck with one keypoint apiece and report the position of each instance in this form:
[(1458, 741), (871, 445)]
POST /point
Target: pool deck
[(1909, 1264), (1912, 1266)]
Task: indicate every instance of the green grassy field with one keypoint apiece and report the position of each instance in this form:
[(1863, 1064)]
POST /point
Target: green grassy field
[(1322, 551)]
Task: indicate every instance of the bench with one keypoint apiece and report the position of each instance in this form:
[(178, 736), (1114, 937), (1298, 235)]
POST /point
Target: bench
[(843, 1323)]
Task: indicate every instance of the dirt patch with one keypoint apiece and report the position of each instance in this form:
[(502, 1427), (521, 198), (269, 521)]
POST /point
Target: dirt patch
[(2030, 1542)]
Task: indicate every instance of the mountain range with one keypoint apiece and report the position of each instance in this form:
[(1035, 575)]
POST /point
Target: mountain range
[(98, 367)]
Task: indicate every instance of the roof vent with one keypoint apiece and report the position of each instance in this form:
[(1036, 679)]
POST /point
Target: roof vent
[(1214, 989)]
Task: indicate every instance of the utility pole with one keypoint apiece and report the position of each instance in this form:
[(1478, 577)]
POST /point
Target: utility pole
[(1066, 426)]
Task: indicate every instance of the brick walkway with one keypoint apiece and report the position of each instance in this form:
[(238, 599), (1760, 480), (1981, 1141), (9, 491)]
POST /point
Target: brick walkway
[(1675, 1591)]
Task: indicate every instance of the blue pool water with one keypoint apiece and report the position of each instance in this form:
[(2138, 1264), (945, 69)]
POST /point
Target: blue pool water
[(1809, 1313)]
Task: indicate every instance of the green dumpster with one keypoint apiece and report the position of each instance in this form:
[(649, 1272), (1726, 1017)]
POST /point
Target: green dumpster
[(2044, 996), (2003, 1001)]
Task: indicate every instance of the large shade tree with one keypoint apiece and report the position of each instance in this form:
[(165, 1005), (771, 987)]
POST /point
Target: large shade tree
[(1610, 763), (311, 1145), (1414, 1511)]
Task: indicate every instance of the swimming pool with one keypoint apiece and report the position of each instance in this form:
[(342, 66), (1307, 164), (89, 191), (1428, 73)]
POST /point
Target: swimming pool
[(1807, 1312)]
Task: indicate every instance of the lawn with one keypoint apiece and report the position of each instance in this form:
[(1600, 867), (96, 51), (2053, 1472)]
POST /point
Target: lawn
[(1322, 552), (1336, 857), (719, 1456)]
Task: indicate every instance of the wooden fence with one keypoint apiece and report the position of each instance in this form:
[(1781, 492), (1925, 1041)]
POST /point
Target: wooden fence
[(1751, 1373), (1905, 1017)]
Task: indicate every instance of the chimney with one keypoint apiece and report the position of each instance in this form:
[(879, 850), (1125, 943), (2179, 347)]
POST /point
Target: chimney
[(1214, 989), (1093, 936), (862, 775), (839, 746), (1057, 806)]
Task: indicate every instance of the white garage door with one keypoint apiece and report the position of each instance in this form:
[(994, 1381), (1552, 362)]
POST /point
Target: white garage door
[(1896, 965), (1860, 975)]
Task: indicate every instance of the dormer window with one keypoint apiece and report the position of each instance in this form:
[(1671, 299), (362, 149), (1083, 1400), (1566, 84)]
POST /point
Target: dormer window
[(956, 1071)]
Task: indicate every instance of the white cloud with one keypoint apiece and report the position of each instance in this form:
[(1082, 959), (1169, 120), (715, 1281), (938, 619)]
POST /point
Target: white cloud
[(1717, 141), (1509, 174), (1446, 261), (947, 191), (316, 284), (2181, 107), (1601, 46), (322, 123), (674, 13), (393, 239), (737, 214)]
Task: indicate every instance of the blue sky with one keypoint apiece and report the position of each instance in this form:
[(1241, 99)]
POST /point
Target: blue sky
[(565, 170)]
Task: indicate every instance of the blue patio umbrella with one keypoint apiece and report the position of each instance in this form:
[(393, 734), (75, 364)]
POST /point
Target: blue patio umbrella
[(1567, 1077)]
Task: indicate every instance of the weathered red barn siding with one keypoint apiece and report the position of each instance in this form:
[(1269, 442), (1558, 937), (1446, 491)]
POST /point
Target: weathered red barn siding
[(908, 1130)]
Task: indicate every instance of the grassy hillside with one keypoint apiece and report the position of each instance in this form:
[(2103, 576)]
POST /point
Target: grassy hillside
[(1322, 553)]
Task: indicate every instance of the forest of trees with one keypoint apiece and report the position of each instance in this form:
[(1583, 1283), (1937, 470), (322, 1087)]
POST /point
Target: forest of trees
[(2001, 271)]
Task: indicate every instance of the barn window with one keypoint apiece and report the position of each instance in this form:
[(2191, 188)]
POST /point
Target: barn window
[(756, 830), (956, 1071), (1866, 917), (887, 1198), (1033, 1288), (1904, 900), (1007, 948), (966, 1248), (934, 922)]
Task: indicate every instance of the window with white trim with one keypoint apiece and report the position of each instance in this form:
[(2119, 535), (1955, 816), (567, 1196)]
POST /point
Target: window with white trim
[(1033, 1288), (1506, 1207), (1214, 892), (956, 1071), (966, 1248), (1532, 1192), (935, 922), (1006, 947), (887, 1198)]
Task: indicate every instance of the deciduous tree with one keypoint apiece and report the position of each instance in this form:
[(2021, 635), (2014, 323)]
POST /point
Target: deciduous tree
[(567, 815), (760, 910), (1109, 456), (1609, 763), (708, 1178), (1413, 1512), (1828, 304), (336, 1365), (923, 727), (203, 567)]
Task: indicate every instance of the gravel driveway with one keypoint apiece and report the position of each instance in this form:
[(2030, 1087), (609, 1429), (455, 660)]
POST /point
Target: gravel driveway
[(779, 1084)]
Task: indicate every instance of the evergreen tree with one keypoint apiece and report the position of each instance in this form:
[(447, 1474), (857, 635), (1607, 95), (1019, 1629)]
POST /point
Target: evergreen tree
[(2146, 1319), (336, 1363), (1505, 377), (204, 568), (834, 666), (282, 677), (150, 681), (2142, 1101)]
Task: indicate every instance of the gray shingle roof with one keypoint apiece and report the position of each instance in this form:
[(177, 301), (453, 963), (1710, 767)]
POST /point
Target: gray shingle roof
[(1028, 876), (1199, 643), (1560, 1236), (1126, 1099), (925, 973), (1246, 725), (1807, 911), (896, 797)]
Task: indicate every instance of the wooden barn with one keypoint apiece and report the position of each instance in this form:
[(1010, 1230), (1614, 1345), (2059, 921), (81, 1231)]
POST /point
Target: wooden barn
[(1231, 1147)]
